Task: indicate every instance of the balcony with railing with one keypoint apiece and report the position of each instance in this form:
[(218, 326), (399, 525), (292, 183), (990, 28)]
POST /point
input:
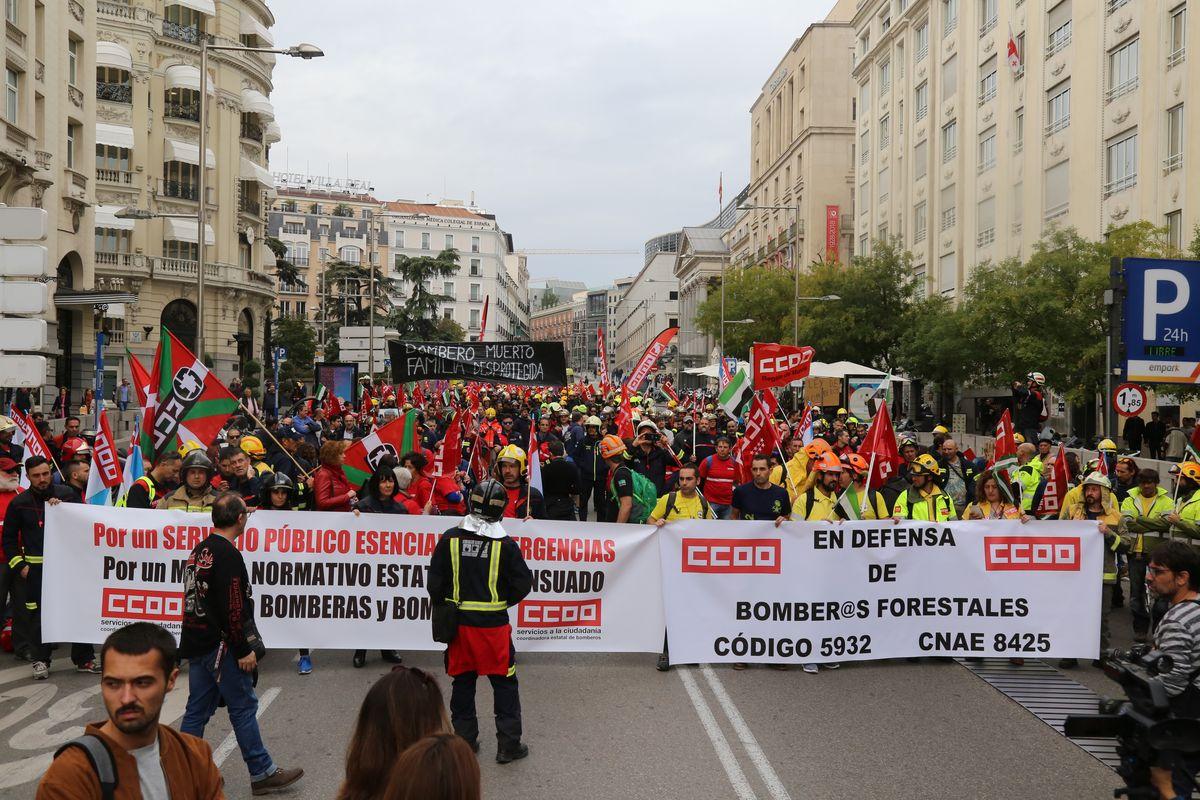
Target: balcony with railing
[(180, 190), (1058, 40), (185, 270), (120, 176), (1058, 124), (1172, 162), (248, 205), (189, 34), (949, 216), (1113, 5), (132, 264), (987, 27), (1125, 87), (251, 130), (188, 111), (985, 237), (1176, 57), (115, 92), (1119, 184)]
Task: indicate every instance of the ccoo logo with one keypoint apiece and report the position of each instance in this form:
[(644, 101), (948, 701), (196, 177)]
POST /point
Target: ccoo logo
[(732, 555), (1031, 553)]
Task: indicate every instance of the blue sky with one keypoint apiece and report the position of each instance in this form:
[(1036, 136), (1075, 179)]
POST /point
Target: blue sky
[(581, 126)]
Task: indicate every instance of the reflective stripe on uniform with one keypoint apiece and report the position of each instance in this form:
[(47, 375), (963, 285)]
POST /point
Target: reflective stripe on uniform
[(454, 562), (482, 605), (34, 559), (494, 574)]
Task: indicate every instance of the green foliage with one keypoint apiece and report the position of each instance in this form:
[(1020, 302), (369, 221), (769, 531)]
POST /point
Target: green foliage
[(343, 210), (250, 372), (418, 316), (447, 330), (875, 310), (285, 270), (345, 293), (763, 294), (937, 346), (299, 338), (550, 299)]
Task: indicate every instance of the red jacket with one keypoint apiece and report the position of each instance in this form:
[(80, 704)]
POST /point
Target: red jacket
[(6, 497), (718, 476), (331, 489)]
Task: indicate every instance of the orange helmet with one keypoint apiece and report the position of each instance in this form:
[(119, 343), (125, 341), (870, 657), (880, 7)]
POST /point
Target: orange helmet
[(855, 463), (816, 447), (828, 462), (611, 446)]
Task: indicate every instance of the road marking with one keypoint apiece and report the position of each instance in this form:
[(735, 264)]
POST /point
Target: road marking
[(230, 741), (757, 756), (737, 778)]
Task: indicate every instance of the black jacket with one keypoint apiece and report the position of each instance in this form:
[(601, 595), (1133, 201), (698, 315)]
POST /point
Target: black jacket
[(374, 505), (217, 603), (586, 455), (560, 480), (653, 465), (513, 579), (24, 535)]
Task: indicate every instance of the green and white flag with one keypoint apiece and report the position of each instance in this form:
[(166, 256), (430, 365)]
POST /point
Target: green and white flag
[(737, 393), (850, 504)]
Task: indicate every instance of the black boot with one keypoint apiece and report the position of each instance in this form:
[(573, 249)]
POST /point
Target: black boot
[(509, 755), (360, 659)]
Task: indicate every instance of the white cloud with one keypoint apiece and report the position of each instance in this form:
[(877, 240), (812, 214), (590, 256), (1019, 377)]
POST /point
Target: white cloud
[(580, 125)]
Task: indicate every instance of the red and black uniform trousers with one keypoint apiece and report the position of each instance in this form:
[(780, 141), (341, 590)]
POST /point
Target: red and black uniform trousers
[(483, 577)]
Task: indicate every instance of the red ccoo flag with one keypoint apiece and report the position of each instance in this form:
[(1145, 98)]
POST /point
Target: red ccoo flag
[(1005, 460), (1057, 483), (451, 453), (625, 416), (602, 367), (880, 447)]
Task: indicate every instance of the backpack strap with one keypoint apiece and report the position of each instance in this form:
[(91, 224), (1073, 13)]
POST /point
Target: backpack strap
[(101, 759), (705, 509), (670, 504)]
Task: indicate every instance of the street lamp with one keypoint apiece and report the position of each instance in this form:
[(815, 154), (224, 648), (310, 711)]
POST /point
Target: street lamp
[(305, 51)]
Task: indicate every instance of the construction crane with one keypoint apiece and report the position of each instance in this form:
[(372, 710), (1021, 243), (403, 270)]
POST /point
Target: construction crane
[(554, 252)]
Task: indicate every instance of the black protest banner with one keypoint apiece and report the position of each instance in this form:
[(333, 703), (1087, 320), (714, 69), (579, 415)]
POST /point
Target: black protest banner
[(534, 363)]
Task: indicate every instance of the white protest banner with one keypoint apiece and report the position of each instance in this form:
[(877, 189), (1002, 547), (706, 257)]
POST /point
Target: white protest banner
[(334, 580), (813, 592)]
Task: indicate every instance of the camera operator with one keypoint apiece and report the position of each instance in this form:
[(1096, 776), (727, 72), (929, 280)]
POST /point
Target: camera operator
[(1174, 575), (650, 454)]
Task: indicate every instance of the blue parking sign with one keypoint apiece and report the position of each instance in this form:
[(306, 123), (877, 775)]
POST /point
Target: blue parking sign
[(1162, 320)]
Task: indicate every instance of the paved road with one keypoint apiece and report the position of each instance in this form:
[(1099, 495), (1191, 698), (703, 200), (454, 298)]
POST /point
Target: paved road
[(613, 727)]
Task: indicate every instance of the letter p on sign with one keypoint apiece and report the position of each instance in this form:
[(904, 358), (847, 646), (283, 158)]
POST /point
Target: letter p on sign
[(1155, 307)]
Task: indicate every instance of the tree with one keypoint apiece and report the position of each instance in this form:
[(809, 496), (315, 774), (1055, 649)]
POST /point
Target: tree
[(447, 330), (343, 210), (937, 346), (345, 291), (877, 294), (763, 294), (550, 299), (285, 270), (417, 317), (250, 372), (299, 338), (1048, 314)]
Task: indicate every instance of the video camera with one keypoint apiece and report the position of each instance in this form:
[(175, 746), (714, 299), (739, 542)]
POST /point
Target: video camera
[(1142, 725)]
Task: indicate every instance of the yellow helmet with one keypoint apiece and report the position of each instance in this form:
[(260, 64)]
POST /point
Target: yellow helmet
[(490, 413), (1018, 438), (672, 404), (253, 446), (512, 453), (940, 429), (842, 411), (924, 464), (189, 446), (1190, 469), (1107, 446)]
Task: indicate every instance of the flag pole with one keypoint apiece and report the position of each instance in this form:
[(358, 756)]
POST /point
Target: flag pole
[(870, 474), (271, 436)]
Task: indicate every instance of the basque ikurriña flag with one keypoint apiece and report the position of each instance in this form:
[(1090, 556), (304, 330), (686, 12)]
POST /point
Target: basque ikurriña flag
[(394, 439), (186, 401)]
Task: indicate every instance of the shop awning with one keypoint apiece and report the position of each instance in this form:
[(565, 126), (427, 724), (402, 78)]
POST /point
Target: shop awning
[(254, 102), (111, 54), (114, 135), (252, 27), (106, 217), (253, 172), (184, 230), (188, 153)]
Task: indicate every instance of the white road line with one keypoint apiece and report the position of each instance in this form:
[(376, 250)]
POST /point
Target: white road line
[(228, 744), (757, 756), (737, 778)]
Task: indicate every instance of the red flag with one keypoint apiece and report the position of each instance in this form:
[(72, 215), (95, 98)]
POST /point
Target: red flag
[(1057, 483), (396, 438), (761, 436), (418, 397), (602, 368), (1005, 460), (1102, 464), (669, 390), (32, 441), (779, 364), (364, 405), (451, 455), (625, 416), (880, 444), (139, 377), (480, 456), (649, 359), (483, 317), (104, 455)]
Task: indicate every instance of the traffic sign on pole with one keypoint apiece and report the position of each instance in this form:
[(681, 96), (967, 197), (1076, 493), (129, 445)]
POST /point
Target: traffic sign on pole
[(1129, 399)]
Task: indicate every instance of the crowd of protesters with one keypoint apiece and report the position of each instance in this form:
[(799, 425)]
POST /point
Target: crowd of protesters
[(599, 456)]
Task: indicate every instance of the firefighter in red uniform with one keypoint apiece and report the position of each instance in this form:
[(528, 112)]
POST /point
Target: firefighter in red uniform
[(477, 568)]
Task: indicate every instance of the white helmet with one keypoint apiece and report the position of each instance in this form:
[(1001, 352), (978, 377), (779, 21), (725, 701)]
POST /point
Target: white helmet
[(1037, 378)]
